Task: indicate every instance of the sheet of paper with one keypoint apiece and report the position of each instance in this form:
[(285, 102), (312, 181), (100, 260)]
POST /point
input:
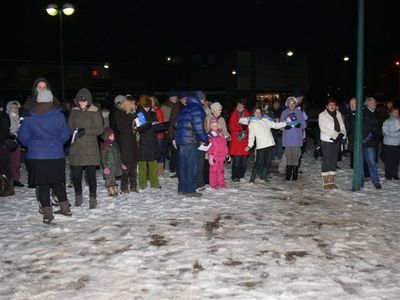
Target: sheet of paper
[(204, 148), (244, 121)]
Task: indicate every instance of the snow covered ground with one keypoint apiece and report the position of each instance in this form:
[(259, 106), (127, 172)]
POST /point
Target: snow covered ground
[(282, 240)]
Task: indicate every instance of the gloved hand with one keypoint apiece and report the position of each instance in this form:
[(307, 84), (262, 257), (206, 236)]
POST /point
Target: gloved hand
[(80, 132), (211, 160), (124, 167), (247, 149), (287, 127), (106, 171), (339, 137), (228, 159), (298, 125), (205, 144)]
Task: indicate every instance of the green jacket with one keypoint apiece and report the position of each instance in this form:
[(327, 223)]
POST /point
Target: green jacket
[(111, 158)]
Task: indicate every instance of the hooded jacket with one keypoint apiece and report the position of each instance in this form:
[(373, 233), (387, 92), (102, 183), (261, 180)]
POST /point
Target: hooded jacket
[(85, 151), (14, 117), (190, 123)]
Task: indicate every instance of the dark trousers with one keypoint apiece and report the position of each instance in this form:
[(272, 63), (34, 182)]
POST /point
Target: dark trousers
[(5, 161), (76, 173), (173, 160), (187, 168), (131, 174), (239, 164), (391, 158), (200, 157), (259, 164), (329, 160), (43, 193), (206, 172), (162, 146)]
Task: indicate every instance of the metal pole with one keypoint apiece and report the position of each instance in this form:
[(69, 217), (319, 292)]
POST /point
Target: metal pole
[(61, 58), (359, 99)]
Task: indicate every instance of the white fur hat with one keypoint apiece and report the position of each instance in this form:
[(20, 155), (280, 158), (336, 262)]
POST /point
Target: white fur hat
[(290, 99), (216, 106)]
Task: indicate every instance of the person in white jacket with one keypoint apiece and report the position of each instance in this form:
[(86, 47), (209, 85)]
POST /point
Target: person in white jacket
[(333, 132), (391, 144), (260, 134)]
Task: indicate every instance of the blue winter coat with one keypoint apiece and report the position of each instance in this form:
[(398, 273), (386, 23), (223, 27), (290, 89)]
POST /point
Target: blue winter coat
[(190, 123), (44, 134)]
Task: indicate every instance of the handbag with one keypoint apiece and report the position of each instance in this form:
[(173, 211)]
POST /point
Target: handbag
[(12, 143)]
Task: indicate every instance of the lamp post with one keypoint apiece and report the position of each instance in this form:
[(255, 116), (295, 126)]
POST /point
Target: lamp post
[(397, 64), (289, 54), (53, 10)]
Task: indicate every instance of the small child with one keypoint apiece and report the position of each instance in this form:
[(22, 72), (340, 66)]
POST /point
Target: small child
[(111, 161), (217, 154)]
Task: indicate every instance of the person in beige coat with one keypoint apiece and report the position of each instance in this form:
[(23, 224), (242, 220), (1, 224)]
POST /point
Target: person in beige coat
[(86, 123)]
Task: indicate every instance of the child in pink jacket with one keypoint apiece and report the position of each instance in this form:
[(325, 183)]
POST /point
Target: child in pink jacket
[(217, 154)]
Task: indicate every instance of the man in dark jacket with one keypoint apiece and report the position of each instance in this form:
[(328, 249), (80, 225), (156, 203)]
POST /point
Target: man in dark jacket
[(6, 187), (189, 133), (370, 139)]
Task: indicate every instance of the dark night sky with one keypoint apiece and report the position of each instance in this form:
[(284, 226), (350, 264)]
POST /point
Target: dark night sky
[(324, 30)]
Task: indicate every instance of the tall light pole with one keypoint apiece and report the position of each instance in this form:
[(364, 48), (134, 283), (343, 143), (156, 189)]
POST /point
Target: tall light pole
[(53, 10), (397, 64)]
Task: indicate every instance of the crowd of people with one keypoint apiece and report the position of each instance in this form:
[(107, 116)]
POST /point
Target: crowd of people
[(186, 135)]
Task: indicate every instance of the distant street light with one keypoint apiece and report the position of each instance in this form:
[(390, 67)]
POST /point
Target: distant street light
[(53, 10), (233, 72), (346, 58), (397, 63), (168, 58), (106, 66), (289, 53)]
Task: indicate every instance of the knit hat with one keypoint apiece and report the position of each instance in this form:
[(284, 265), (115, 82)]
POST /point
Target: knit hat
[(118, 99), (45, 96), (183, 95), (216, 106), (200, 94), (290, 99), (213, 120)]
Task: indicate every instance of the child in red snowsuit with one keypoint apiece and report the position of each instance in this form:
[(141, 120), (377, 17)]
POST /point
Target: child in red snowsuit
[(217, 154)]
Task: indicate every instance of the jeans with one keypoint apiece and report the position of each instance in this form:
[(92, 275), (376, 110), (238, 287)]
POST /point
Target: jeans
[(187, 168), (239, 164), (173, 160), (278, 150), (369, 155), (162, 146)]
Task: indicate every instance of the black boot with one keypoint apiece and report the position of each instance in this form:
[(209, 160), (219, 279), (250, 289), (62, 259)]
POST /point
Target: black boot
[(289, 171), (295, 172), (253, 175)]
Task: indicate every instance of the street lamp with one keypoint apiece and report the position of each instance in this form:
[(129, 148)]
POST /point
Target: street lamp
[(106, 66), (233, 72), (53, 10), (289, 53), (346, 58), (397, 64)]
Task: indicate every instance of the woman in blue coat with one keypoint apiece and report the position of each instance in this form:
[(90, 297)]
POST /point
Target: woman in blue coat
[(44, 133)]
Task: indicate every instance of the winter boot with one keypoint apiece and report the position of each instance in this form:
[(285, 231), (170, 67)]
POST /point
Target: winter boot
[(110, 191), (295, 172), (78, 200), (325, 180), (92, 202), (331, 178), (6, 187), (115, 191), (64, 209), (133, 184), (289, 171), (48, 214)]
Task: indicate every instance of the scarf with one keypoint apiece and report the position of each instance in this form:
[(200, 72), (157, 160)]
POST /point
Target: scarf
[(335, 120)]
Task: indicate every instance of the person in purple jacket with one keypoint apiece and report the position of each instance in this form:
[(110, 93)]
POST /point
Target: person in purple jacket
[(44, 132), (292, 137)]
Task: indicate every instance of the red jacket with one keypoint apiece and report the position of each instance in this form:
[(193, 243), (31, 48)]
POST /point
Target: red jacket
[(236, 146), (160, 119)]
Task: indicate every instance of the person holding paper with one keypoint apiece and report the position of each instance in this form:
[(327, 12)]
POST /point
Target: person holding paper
[(149, 151), (85, 153), (189, 133), (124, 118), (391, 144), (238, 126), (217, 154)]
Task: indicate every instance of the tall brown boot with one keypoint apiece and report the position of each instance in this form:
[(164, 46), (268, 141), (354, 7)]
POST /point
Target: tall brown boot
[(64, 209), (133, 184), (160, 169), (332, 178), (6, 187), (48, 214)]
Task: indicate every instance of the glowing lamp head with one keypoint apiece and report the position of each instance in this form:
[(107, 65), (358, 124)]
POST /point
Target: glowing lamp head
[(289, 53), (68, 9), (52, 9), (346, 58)]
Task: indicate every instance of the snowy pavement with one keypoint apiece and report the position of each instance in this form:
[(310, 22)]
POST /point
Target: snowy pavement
[(282, 240)]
